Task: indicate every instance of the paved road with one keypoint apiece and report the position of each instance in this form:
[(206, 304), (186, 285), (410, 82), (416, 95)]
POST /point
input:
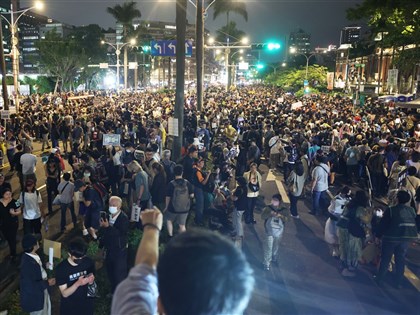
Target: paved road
[(307, 279)]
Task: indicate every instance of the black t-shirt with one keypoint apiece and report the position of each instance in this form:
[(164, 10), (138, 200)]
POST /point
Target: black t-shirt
[(5, 217), (90, 194), (16, 160), (241, 204), (77, 303), (171, 187), (188, 168)]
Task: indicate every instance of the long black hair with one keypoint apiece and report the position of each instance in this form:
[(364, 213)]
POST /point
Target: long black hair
[(360, 199)]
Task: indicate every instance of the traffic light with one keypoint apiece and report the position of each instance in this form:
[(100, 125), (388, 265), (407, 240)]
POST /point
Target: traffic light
[(260, 66), (146, 49), (266, 46)]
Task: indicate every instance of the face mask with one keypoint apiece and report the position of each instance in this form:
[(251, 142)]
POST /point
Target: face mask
[(86, 174), (77, 261), (275, 203), (128, 151), (113, 210)]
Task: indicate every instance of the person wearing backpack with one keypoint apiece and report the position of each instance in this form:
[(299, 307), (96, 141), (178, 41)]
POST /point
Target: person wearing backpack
[(29, 199), (168, 165), (178, 201), (274, 216)]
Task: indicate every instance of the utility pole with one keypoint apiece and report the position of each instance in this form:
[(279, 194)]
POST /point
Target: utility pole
[(181, 27), (3, 69), (199, 35)]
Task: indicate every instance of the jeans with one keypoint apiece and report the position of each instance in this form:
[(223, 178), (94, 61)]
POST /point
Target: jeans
[(237, 222), (293, 204), (199, 204), (10, 153), (64, 207), (399, 249), (249, 213), (52, 190), (317, 196), (271, 248)]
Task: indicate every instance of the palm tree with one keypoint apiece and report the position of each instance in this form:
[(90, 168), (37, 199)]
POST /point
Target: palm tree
[(228, 6), (125, 14)]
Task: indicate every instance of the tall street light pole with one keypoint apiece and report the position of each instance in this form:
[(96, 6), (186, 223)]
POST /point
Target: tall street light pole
[(15, 50), (294, 51), (117, 49), (3, 70)]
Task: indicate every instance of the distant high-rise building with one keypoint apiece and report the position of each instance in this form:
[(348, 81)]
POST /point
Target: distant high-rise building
[(350, 35), (301, 41)]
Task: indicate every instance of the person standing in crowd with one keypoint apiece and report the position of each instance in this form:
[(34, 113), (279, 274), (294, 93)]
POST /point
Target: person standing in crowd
[(77, 134), (73, 276), (335, 210), (9, 222), (352, 156), (28, 161), (178, 201), (292, 155), (11, 145), (254, 181), (158, 189), (114, 241), (376, 165), (200, 179), (52, 174), (139, 292), (253, 154), (44, 129), (188, 163), (240, 200), (93, 204), (274, 217), (34, 283), (3, 183), (140, 188), (351, 232), (397, 229), (319, 185), (18, 166), (168, 165), (66, 191), (397, 167), (296, 181), (30, 199)]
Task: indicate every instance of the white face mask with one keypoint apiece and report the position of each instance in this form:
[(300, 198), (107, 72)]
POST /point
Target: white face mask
[(275, 203), (128, 151), (113, 210), (86, 174)]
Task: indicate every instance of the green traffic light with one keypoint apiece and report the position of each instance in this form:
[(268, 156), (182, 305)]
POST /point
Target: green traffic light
[(273, 46), (146, 48), (260, 66)]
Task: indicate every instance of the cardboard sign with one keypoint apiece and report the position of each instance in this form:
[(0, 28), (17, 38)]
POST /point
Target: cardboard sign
[(56, 248), (111, 139)]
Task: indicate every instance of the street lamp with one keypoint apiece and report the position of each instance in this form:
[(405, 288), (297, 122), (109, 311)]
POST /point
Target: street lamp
[(15, 50), (294, 51), (117, 49)]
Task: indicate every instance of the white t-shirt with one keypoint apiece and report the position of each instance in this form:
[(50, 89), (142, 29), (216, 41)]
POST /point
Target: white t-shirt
[(28, 162), (31, 209), (320, 175)]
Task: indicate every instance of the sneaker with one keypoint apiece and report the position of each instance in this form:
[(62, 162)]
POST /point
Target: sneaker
[(295, 216), (335, 253), (267, 268), (85, 232), (347, 273)]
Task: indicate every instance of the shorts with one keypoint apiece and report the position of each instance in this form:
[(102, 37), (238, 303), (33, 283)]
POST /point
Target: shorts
[(92, 219), (180, 218), (82, 209)]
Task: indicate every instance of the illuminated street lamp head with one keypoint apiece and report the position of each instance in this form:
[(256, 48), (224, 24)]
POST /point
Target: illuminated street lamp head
[(102, 42), (241, 51), (39, 5), (283, 64), (292, 50), (211, 41), (245, 40), (218, 51), (132, 41)]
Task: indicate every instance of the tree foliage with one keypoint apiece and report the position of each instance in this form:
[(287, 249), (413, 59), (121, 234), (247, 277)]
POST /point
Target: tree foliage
[(292, 79), (61, 58), (227, 6), (125, 14)]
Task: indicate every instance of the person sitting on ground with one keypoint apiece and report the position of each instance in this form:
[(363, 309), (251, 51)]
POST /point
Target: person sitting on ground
[(174, 291)]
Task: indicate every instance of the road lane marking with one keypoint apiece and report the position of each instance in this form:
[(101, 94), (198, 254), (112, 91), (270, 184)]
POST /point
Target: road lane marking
[(279, 184), (411, 277)]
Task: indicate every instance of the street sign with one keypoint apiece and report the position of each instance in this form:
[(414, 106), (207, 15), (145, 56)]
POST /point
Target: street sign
[(5, 114), (168, 48)]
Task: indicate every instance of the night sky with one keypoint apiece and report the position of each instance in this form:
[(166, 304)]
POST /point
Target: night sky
[(267, 19)]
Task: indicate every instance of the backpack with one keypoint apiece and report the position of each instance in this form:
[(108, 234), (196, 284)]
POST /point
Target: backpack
[(102, 191), (181, 197)]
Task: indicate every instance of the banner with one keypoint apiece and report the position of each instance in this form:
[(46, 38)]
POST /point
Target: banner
[(330, 80), (111, 139), (392, 78)]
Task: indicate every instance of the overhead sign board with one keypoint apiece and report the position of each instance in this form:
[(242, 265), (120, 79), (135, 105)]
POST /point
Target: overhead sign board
[(168, 48)]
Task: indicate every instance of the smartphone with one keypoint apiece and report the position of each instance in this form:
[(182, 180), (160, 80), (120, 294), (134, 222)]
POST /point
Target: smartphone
[(104, 216)]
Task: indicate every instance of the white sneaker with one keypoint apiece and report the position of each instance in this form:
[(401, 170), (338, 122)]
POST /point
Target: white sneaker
[(334, 253), (85, 232)]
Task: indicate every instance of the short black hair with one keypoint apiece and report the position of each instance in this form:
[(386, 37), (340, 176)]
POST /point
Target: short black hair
[(77, 248), (190, 275), (178, 170), (412, 170), (66, 176), (403, 196)]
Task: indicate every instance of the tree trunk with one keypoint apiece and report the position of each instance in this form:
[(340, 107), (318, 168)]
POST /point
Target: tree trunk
[(181, 26), (199, 34)]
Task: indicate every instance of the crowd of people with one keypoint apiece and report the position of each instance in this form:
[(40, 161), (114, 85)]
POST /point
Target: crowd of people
[(217, 182)]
